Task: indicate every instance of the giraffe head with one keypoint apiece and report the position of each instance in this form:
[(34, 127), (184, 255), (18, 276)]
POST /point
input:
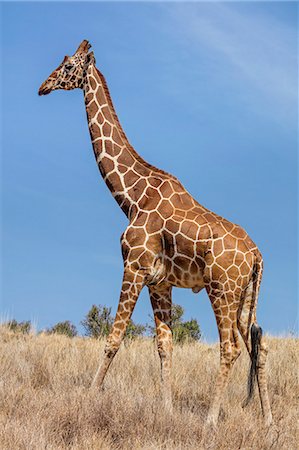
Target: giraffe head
[(70, 73)]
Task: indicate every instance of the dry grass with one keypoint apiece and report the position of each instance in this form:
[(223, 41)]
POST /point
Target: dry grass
[(46, 402)]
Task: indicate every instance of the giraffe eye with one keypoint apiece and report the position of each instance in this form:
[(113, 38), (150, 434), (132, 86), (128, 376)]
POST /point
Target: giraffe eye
[(68, 67)]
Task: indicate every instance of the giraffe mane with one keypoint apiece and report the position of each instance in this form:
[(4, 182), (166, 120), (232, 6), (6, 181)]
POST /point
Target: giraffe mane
[(124, 137)]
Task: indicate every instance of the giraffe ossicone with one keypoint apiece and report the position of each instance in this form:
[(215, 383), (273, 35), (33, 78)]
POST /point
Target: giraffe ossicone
[(171, 240)]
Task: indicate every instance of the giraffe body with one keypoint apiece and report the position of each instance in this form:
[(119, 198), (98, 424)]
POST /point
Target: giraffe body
[(171, 240)]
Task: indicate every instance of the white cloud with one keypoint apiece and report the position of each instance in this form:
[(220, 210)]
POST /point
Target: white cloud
[(258, 47)]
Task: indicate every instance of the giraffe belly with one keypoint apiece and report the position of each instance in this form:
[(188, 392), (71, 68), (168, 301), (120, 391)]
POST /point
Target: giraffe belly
[(182, 278), (195, 284)]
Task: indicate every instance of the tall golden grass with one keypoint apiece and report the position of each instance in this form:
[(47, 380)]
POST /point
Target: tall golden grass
[(46, 402)]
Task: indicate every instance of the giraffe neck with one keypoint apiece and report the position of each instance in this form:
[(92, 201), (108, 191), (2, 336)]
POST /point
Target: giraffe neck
[(119, 164)]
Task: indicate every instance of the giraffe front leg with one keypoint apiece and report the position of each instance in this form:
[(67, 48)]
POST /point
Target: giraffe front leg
[(160, 296), (131, 286)]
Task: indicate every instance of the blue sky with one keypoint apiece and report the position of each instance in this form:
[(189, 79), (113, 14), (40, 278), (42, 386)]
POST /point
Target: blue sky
[(205, 91)]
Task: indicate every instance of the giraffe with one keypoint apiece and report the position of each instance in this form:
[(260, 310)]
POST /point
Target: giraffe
[(171, 240)]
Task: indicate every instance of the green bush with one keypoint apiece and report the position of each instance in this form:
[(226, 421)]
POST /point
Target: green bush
[(182, 331), (65, 327), (19, 327), (99, 320), (134, 330)]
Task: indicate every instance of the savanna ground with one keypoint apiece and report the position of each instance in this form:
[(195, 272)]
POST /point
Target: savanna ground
[(46, 402)]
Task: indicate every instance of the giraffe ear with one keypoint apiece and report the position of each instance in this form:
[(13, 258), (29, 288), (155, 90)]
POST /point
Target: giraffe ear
[(83, 47)]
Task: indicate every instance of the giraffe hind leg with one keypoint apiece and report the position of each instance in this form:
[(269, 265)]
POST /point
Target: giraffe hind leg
[(230, 350)]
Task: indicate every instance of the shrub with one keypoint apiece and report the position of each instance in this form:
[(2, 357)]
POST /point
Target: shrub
[(99, 320), (65, 327), (19, 327), (134, 330), (182, 331)]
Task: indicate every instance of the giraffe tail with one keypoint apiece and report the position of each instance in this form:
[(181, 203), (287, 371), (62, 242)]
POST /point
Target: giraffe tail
[(256, 332), (256, 335)]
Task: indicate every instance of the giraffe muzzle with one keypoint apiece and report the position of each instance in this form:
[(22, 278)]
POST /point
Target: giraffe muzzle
[(44, 90)]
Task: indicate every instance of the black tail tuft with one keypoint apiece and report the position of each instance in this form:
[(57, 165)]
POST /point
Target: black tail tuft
[(256, 336)]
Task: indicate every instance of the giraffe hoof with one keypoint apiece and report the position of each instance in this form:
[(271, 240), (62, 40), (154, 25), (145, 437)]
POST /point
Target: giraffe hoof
[(211, 424), (272, 434), (168, 406), (269, 422), (208, 440)]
